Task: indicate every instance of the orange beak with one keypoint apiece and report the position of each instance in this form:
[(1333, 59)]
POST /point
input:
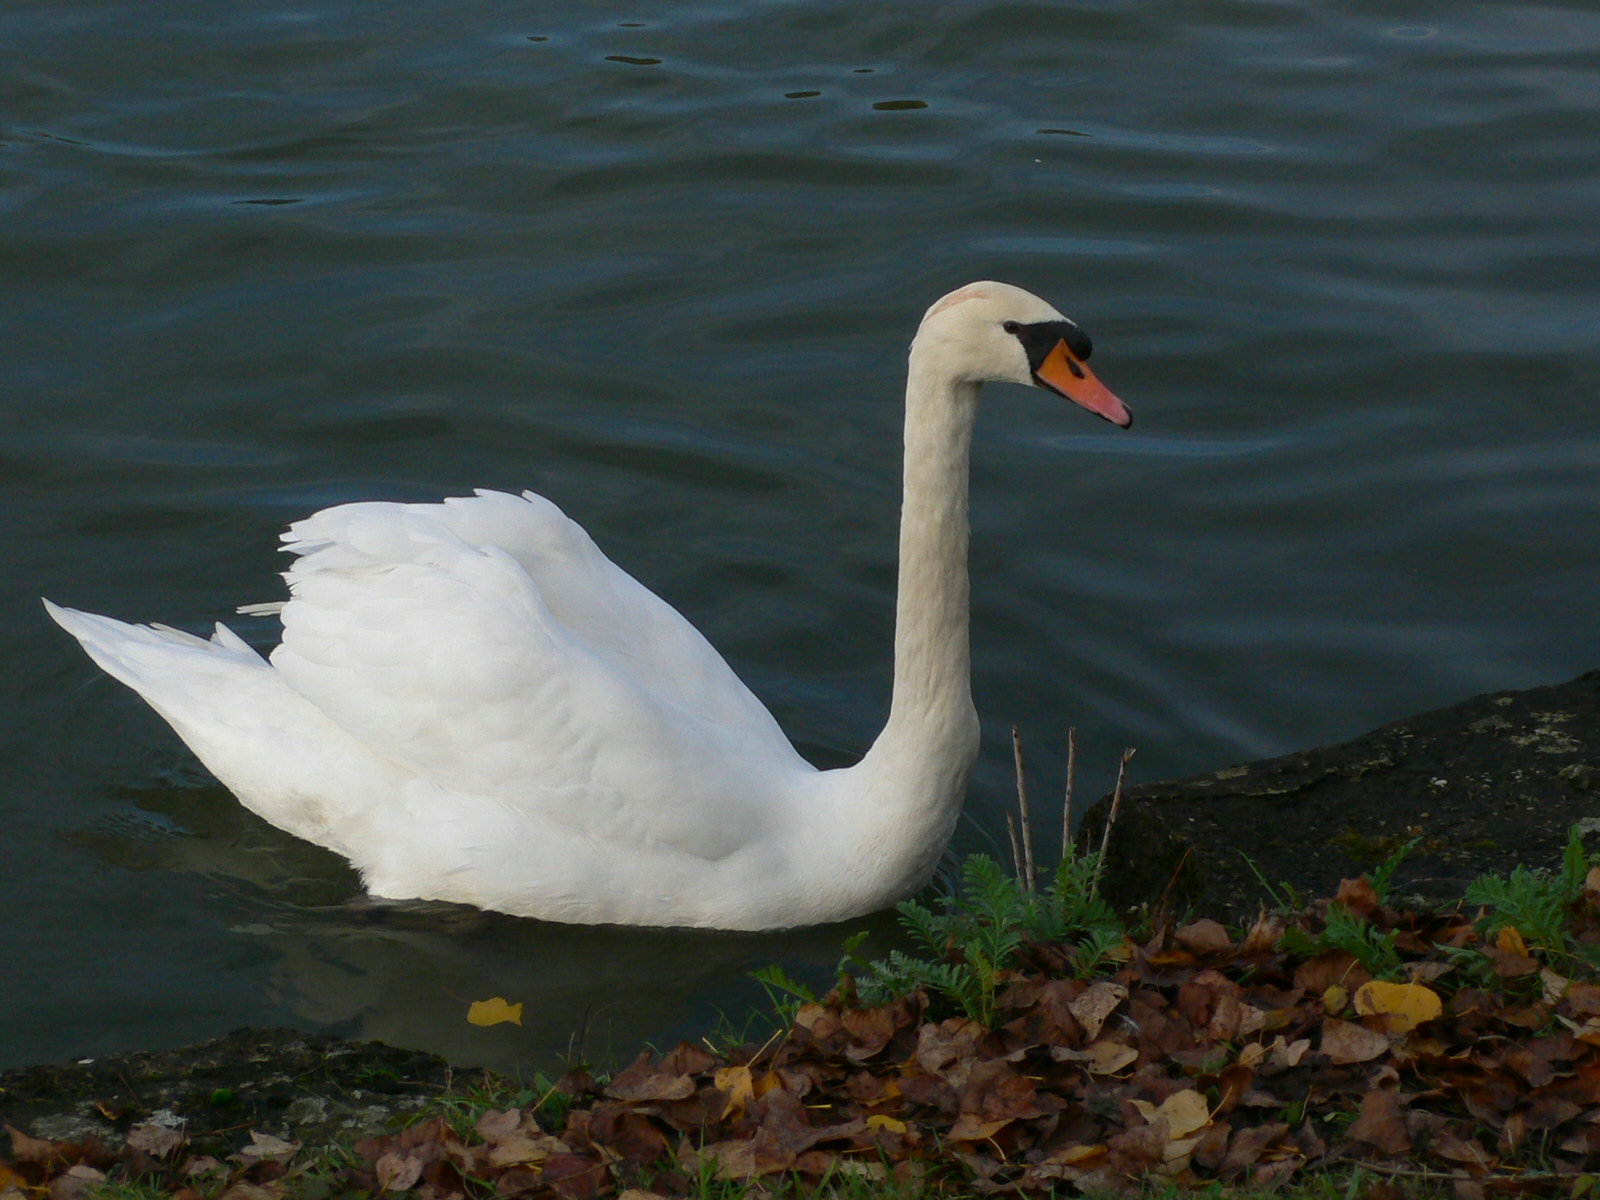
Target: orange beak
[(1064, 372)]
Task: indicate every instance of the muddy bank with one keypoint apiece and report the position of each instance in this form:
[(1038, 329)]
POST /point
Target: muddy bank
[(299, 1086), (1483, 786)]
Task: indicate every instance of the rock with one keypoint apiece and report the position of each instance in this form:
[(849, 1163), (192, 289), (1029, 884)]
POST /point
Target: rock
[(1485, 785), (299, 1086)]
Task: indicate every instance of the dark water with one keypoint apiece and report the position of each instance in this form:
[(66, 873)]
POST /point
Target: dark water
[(660, 263)]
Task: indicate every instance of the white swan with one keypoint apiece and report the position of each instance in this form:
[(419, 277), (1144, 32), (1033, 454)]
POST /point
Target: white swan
[(472, 703)]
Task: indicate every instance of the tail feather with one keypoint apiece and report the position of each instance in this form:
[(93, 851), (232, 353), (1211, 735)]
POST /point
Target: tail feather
[(141, 656)]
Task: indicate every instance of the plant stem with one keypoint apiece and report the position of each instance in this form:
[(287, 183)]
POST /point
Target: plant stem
[(1016, 850), (1027, 876), (1111, 819), (1066, 806)]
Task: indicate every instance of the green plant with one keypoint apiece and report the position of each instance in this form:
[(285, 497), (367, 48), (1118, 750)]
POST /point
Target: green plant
[(784, 992), (1538, 903), (970, 942), (1372, 947)]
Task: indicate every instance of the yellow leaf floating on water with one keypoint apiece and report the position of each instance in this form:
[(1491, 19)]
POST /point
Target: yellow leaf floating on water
[(494, 1012), (1407, 1005)]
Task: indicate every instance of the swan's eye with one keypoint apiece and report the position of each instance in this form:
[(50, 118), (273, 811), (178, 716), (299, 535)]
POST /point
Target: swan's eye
[(1011, 327)]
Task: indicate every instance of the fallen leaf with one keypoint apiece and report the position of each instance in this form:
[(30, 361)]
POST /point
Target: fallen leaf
[(158, 1141), (1382, 1123), (77, 1181), (1403, 1005), (972, 1128), (1107, 1058), (397, 1172), (740, 1086), (264, 1147), (1205, 936), (1184, 1112), (879, 1121), (1345, 1042), (1510, 940), (494, 1011), (1093, 1007), (1289, 1054)]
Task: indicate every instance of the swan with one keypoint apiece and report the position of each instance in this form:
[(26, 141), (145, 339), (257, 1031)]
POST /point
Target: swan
[(472, 703)]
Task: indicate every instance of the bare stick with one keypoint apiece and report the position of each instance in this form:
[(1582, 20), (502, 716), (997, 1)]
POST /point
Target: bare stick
[(1028, 879), (1016, 851), (1111, 819), (1066, 807)]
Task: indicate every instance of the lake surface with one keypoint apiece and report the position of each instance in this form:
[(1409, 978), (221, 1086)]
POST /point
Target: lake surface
[(660, 262)]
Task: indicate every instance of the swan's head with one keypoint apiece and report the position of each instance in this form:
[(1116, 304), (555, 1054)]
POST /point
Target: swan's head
[(996, 332)]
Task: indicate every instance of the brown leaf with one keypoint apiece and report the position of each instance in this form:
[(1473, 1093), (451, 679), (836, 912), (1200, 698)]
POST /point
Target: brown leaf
[(1205, 936), (949, 1048), (75, 1182), (1382, 1123), (994, 1090), (1466, 1151), (574, 1176), (631, 1135), (1332, 968), (1508, 964), (870, 1030), (1212, 1147), (158, 1141), (643, 1080), (1246, 1147), (1359, 896), (1096, 1004), (25, 1148), (1345, 1042), (687, 1059), (1137, 1150), (520, 1149), (398, 1171)]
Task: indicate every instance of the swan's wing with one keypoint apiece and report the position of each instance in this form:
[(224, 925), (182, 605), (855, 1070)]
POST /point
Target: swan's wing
[(443, 655), (603, 608)]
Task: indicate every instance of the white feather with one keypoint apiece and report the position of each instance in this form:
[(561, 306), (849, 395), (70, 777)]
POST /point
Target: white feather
[(472, 703)]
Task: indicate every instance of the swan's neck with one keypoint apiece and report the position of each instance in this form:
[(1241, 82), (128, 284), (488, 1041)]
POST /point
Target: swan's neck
[(921, 760), (932, 656)]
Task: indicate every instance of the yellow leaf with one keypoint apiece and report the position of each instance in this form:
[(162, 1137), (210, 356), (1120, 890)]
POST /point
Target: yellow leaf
[(1407, 1005), (970, 1127), (739, 1085), (768, 1080), (1184, 1112), (1334, 999), (1077, 1154), (1511, 941), (494, 1012), (879, 1121), (1107, 1058)]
